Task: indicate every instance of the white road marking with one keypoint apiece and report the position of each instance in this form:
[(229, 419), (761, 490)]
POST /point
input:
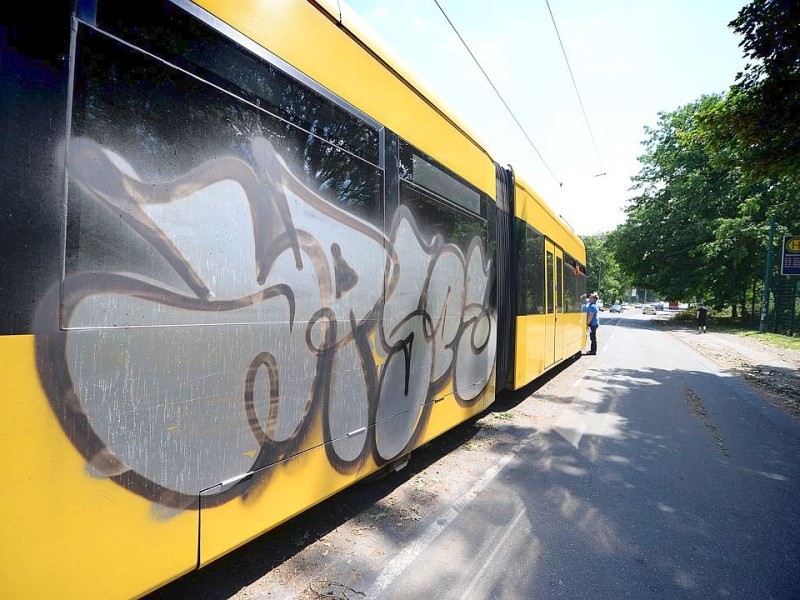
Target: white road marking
[(405, 557), (468, 592)]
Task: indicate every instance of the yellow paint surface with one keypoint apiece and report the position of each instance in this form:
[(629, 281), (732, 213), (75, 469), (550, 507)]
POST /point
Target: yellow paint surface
[(290, 487), (65, 533), (531, 208), (532, 334)]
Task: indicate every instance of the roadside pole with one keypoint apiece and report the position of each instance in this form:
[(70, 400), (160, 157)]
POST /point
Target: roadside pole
[(762, 327)]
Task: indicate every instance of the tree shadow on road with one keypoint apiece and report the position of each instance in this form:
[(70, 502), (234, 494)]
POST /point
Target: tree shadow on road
[(662, 484)]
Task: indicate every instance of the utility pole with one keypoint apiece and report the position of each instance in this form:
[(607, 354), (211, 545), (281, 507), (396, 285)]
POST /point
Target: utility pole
[(762, 326)]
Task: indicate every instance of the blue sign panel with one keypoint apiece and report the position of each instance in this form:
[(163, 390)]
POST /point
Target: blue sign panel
[(790, 265)]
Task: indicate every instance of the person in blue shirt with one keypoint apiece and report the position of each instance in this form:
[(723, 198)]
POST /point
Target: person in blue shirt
[(592, 322)]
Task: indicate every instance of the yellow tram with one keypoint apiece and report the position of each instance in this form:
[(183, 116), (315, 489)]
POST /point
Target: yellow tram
[(247, 261)]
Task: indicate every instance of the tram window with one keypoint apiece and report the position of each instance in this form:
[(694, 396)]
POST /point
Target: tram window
[(168, 32), (157, 124), (574, 284), (570, 281), (419, 168), (530, 261), (522, 266), (434, 217), (559, 284), (580, 288), (549, 268)]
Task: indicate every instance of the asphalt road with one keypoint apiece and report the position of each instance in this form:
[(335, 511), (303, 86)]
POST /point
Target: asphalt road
[(642, 472)]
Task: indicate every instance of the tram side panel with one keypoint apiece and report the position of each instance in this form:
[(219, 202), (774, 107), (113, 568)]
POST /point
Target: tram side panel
[(238, 332), (549, 324), (65, 526)]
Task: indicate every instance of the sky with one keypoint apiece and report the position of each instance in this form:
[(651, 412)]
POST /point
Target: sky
[(630, 59)]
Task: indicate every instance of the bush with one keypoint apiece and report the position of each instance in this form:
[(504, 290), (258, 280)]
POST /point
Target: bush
[(686, 315)]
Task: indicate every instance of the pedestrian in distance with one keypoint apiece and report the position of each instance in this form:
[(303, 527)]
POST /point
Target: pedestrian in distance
[(702, 317), (592, 321)]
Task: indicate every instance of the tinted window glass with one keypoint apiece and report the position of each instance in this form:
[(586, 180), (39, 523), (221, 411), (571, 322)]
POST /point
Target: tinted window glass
[(569, 283), (580, 288), (574, 284), (176, 180), (559, 284), (434, 217), (549, 283), (530, 298), (171, 34), (419, 168), (522, 268), (536, 282)]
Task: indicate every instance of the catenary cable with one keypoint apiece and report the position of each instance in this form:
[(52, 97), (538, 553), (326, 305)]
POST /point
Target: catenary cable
[(499, 95), (575, 85)]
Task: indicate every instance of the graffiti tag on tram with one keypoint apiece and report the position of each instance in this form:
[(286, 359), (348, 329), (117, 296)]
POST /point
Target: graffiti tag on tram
[(292, 321)]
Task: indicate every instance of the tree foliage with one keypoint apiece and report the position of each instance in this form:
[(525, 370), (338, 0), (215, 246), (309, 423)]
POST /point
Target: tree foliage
[(676, 212), (604, 274), (757, 127), (698, 228), (715, 170)]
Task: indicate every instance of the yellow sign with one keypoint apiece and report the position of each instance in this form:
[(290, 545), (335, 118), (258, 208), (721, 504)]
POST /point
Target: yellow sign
[(793, 244)]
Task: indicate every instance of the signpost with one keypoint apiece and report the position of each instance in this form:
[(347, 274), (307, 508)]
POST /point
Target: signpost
[(790, 261), (762, 326)]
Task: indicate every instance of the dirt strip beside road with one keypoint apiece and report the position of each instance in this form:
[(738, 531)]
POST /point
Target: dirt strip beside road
[(774, 372)]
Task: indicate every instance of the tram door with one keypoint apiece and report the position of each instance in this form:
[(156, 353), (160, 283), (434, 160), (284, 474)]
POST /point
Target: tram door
[(550, 308)]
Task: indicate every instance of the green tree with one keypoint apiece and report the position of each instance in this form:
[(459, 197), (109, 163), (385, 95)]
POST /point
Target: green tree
[(714, 171), (696, 228), (604, 274), (677, 187), (757, 127)]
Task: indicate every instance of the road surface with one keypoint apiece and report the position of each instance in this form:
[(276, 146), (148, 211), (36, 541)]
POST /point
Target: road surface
[(643, 472)]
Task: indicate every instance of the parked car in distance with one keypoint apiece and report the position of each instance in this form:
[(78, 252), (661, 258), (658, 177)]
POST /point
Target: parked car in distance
[(615, 308), (649, 310)]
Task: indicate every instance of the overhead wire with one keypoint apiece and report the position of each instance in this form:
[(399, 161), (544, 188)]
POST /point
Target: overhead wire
[(577, 93), (499, 95)]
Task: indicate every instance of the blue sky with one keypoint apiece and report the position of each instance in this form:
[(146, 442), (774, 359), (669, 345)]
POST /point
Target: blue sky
[(630, 58)]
